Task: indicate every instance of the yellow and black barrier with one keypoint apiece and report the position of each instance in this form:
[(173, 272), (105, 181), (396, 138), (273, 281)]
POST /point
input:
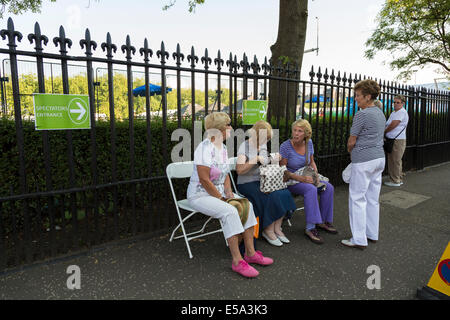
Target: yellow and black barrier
[(438, 288)]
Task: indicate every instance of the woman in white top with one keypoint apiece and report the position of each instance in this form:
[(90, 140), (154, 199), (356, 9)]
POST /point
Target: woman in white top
[(210, 187), (396, 129)]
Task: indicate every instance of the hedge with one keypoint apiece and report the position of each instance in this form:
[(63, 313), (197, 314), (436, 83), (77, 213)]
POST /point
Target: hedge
[(334, 136)]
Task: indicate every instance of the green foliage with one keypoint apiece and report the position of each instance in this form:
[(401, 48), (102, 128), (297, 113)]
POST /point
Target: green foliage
[(28, 85), (415, 32), (284, 59), (20, 6), (82, 150), (192, 4), (333, 131)]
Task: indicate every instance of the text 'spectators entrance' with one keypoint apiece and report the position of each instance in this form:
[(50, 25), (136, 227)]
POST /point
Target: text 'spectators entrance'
[(61, 111)]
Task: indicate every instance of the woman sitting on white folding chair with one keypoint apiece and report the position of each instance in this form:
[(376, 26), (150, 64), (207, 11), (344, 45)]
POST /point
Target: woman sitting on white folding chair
[(209, 188)]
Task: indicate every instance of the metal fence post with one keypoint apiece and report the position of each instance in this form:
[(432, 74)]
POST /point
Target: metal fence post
[(422, 129), (90, 45), (12, 35)]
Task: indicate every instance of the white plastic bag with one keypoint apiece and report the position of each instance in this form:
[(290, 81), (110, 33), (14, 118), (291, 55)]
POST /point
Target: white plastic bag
[(347, 173)]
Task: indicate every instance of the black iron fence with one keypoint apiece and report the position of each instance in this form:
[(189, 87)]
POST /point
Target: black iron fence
[(63, 191)]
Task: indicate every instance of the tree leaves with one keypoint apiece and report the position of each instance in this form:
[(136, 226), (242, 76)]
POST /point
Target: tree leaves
[(415, 32), (20, 6), (192, 4), (28, 85)]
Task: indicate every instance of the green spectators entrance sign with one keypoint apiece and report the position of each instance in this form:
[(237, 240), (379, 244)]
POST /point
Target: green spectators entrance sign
[(61, 111), (253, 111)]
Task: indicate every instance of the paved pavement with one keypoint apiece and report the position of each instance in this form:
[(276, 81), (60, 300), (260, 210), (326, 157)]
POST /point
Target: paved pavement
[(414, 231)]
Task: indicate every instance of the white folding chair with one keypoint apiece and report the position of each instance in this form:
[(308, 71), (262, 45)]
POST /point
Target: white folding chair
[(232, 163), (178, 170)]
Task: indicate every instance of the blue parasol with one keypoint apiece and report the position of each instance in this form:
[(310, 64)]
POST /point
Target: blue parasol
[(314, 99), (154, 89)]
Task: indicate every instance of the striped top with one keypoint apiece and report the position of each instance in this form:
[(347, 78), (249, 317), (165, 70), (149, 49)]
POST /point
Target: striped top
[(368, 126), (295, 160)]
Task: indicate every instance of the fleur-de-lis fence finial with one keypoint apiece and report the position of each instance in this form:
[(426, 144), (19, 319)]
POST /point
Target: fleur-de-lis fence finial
[(279, 68), (146, 51), (11, 34), (218, 61), (62, 41), (244, 64), (265, 66), (206, 60), (319, 75), (312, 74), (235, 64), (192, 58), (255, 65), (338, 77), (128, 48), (344, 78), (326, 76), (178, 56), (109, 47), (88, 43), (38, 38), (287, 69), (332, 76), (162, 54), (229, 62)]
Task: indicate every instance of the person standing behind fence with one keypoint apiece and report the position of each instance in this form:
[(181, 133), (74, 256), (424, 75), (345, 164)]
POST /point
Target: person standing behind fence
[(396, 129), (210, 187), (367, 155), (269, 207)]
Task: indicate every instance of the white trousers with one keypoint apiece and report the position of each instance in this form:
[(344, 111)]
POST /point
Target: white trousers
[(228, 215), (364, 194)]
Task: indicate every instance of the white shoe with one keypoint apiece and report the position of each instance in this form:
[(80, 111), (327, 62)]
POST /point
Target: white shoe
[(392, 184), (349, 243), (275, 242), (283, 238)]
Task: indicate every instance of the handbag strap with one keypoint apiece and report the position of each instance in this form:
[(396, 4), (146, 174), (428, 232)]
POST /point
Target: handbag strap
[(307, 153), (399, 133)]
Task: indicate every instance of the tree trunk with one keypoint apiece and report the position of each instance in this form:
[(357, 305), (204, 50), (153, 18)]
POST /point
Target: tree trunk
[(287, 52)]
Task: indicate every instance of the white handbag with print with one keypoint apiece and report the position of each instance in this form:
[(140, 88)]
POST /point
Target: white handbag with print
[(272, 178)]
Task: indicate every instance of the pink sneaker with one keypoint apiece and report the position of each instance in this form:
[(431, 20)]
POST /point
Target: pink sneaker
[(244, 269), (258, 258)]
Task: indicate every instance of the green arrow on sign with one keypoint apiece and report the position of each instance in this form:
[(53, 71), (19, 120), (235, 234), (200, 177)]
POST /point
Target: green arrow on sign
[(61, 111), (253, 111)]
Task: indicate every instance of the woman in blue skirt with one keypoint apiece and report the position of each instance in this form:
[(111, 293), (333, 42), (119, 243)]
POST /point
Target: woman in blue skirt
[(269, 207)]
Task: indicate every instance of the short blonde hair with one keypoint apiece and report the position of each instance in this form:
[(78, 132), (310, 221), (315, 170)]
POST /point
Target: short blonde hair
[(262, 125), (217, 120), (378, 104), (304, 124)]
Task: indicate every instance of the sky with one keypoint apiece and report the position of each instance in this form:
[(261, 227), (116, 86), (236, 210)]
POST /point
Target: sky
[(237, 26)]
